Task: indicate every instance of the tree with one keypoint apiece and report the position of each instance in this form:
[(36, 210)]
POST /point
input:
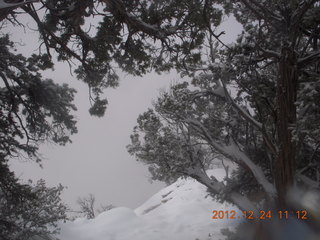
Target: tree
[(28, 210), (133, 35), (261, 124), (122, 37), (87, 207), (273, 68), (34, 110)]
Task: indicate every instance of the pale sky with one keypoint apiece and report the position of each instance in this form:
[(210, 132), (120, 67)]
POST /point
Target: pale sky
[(97, 161)]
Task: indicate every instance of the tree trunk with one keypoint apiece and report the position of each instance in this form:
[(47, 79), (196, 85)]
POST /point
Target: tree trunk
[(286, 118)]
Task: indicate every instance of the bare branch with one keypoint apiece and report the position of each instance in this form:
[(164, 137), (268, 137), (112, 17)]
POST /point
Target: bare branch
[(217, 37), (87, 206)]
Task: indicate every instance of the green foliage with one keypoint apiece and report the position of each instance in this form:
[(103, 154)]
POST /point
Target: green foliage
[(273, 70), (163, 140), (103, 36), (32, 109), (28, 210), (161, 148)]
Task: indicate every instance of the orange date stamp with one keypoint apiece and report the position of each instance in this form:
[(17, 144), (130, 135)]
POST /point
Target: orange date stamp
[(260, 215)]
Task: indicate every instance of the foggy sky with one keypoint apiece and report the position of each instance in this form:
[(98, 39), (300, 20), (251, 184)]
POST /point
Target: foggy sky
[(97, 161)]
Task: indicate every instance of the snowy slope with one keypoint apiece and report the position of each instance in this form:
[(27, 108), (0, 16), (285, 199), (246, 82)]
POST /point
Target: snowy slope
[(181, 211)]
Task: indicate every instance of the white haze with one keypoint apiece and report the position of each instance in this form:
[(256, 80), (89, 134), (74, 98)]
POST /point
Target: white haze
[(97, 161)]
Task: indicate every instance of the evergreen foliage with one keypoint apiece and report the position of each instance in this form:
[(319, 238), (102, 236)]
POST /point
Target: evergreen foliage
[(267, 125), (100, 36), (32, 110), (248, 102), (28, 210)]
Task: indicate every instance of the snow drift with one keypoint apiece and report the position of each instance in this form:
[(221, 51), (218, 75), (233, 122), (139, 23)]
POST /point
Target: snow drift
[(181, 211)]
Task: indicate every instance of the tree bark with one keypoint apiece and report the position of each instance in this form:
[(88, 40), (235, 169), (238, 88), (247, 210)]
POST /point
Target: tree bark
[(286, 118)]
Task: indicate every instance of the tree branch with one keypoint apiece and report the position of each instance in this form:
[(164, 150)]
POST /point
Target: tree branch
[(233, 152), (13, 5), (205, 7), (7, 8), (217, 187), (260, 15), (300, 12), (240, 110), (117, 8), (44, 30), (311, 58)]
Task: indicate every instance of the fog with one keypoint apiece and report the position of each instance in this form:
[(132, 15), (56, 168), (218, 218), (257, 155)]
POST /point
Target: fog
[(97, 161)]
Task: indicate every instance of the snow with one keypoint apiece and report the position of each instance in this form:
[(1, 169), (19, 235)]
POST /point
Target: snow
[(235, 154), (234, 151), (181, 211)]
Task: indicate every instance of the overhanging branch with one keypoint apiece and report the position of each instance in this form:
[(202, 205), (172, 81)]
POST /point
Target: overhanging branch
[(233, 152), (217, 187)]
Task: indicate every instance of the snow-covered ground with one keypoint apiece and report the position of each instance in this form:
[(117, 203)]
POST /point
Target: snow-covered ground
[(181, 211)]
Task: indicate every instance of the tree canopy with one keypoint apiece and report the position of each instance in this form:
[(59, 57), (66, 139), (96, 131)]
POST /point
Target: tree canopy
[(253, 102), (99, 36), (273, 69)]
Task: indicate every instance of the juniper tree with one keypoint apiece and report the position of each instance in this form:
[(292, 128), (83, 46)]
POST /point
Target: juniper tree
[(273, 67), (100, 36), (32, 110), (267, 124), (136, 36), (28, 210)]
